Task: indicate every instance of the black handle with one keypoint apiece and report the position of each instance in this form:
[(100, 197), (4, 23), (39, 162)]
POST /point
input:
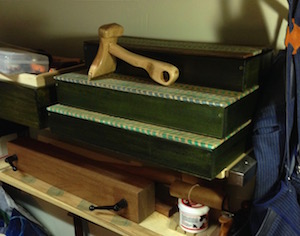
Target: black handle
[(118, 206), (10, 160)]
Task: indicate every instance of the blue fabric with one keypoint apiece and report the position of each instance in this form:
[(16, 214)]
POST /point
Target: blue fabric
[(21, 226), (278, 213), (276, 210), (269, 129)]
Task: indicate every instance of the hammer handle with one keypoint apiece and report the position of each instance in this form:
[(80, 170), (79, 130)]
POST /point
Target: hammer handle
[(161, 72)]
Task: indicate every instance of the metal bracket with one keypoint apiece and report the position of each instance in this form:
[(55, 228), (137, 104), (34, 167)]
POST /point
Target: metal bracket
[(242, 172)]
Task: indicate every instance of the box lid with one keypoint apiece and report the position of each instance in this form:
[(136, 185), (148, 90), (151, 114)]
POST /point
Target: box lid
[(14, 61)]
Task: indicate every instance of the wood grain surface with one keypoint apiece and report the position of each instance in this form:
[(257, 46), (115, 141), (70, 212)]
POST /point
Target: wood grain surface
[(82, 177)]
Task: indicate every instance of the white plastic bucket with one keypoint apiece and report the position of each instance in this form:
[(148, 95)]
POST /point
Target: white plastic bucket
[(193, 217)]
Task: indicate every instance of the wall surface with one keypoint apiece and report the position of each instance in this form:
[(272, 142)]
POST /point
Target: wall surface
[(60, 27)]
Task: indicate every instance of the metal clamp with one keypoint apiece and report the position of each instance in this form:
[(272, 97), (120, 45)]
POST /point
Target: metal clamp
[(118, 206), (243, 171), (10, 160)]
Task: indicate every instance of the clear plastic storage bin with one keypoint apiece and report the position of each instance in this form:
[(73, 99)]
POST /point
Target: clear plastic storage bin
[(14, 61)]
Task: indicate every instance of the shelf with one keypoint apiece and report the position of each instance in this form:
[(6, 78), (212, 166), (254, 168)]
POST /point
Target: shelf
[(155, 224)]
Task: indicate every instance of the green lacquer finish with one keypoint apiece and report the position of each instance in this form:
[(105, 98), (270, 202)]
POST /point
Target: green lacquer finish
[(25, 105), (229, 67), (199, 155), (208, 111)]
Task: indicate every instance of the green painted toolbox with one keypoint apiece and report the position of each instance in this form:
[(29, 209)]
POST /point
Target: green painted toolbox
[(202, 110), (232, 67), (24, 96), (182, 151), (26, 105)]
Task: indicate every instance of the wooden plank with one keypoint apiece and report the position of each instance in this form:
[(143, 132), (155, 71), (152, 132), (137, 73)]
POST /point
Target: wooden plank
[(164, 208), (154, 225), (70, 202), (39, 80), (82, 177), (117, 160)]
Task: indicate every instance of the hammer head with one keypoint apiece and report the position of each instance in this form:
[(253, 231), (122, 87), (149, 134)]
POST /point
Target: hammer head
[(110, 31), (104, 62)]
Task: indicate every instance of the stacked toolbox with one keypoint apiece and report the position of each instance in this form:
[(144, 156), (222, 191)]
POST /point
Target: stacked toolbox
[(24, 96), (198, 125), (26, 105)]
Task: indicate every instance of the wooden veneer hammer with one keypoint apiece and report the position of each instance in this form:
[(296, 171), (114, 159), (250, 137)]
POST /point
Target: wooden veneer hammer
[(105, 61)]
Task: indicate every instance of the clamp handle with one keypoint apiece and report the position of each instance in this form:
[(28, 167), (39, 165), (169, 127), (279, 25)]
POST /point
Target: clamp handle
[(10, 160), (118, 206)]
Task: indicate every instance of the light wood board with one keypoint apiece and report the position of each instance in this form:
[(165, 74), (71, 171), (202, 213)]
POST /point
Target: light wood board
[(155, 224)]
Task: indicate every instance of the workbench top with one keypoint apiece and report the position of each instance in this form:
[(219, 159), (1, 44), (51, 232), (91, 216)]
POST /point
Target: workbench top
[(155, 224)]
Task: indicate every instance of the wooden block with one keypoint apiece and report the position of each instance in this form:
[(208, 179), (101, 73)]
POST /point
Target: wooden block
[(202, 110), (189, 179), (174, 221), (117, 160), (164, 208), (84, 178)]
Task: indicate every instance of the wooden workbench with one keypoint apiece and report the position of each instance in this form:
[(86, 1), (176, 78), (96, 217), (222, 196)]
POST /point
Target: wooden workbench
[(155, 224)]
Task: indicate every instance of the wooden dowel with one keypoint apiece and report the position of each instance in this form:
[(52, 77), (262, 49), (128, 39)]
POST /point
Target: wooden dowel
[(197, 194)]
